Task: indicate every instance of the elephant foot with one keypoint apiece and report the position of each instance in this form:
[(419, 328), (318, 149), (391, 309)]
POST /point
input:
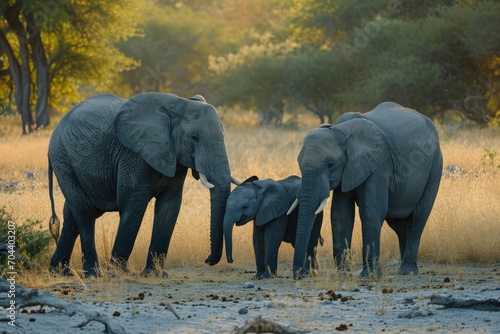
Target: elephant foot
[(92, 273), (268, 275), (407, 270), (148, 272), (300, 274), (64, 271), (259, 274), (365, 273)]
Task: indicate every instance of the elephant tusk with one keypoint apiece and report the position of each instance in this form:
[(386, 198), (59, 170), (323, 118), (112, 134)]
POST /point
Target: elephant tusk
[(294, 205), (235, 181), (321, 206), (205, 182)]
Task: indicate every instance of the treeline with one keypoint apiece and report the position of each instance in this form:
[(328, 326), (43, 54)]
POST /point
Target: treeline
[(324, 56)]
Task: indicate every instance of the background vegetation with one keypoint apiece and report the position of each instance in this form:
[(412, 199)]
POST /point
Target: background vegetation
[(323, 57)]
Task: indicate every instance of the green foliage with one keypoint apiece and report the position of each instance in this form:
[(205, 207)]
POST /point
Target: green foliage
[(79, 39), (32, 241), (352, 55), (173, 51), (489, 158)]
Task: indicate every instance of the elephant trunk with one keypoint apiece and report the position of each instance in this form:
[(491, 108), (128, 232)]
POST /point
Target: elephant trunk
[(304, 228), (228, 237), (314, 188), (221, 181)]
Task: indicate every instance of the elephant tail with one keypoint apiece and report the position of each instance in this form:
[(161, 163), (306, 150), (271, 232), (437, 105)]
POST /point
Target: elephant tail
[(54, 223)]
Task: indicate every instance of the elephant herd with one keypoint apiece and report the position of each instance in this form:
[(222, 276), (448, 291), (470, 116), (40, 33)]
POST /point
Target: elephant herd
[(112, 154)]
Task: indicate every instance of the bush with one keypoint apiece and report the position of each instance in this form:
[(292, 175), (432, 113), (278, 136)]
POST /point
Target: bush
[(32, 242)]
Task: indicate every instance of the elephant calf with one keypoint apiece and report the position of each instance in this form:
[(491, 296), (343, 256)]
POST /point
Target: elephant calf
[(266, 203)]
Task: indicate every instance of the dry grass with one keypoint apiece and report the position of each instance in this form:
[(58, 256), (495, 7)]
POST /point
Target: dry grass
[(464, 225)]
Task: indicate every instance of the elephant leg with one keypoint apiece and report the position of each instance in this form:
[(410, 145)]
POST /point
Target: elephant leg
[(132, 208), (86, 226), (66, 243), (373, 197), (419, 219), (273, 234), (342, 220), (400, 226), (167, 207), (311, 256), (259, 249), (78, 208)]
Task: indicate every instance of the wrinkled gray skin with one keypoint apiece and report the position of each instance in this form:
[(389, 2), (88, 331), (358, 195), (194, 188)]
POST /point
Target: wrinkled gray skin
[(111, 154), (387, 161), (266, 203)]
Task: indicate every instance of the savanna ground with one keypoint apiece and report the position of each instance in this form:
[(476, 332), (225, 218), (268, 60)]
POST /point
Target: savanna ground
[(459, 251)]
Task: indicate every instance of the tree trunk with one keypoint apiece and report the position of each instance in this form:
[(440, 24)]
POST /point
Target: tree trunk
[(20, 72), (42, 74)]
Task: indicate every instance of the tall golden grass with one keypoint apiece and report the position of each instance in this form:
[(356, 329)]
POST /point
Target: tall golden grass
[(463, 227)]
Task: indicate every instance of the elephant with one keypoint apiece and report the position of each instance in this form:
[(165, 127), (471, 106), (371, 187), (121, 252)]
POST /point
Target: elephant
[(113, 154), (266, 203), (387, 161)]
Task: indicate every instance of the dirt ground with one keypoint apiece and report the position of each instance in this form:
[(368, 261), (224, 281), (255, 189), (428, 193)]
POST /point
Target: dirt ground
[(214, 300)]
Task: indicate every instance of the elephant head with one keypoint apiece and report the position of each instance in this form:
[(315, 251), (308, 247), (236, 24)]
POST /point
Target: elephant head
[(258, 200), (343, 156), (167, 131)]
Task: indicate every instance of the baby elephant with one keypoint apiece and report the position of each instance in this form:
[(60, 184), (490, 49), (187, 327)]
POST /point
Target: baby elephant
[(266, 203)]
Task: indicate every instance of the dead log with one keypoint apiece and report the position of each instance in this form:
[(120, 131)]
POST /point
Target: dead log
[(259, 325), (479, 305), (26, 298)]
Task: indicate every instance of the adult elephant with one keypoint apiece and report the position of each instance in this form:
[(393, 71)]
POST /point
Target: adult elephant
[(112, 154), (387, 161), (266, 203)]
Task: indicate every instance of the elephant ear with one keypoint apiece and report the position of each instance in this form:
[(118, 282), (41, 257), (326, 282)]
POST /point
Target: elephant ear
[(367, 148), (144, 125), (251, 179), (349, 116), (274, 201)]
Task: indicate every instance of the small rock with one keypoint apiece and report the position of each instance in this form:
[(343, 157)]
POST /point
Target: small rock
[(416, 313), (32, 320), (275, 304), (31, 175), (459, 287), (446, 280), (248, 285), (373, 285), (242, 311), (393, 263), (408, 300), (116, 314)]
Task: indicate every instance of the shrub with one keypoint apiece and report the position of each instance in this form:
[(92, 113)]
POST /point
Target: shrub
[(32, 241)]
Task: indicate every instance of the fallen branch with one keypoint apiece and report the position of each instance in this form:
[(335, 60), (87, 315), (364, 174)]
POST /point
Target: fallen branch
[(171, 309), (26, 298), (4, 249), (479, 305), (259, 325)]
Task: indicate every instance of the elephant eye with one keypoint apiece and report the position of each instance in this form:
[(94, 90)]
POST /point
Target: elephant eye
[(244, 207), (195, 138)]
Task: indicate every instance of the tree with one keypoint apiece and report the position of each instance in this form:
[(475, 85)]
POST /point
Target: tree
[(254, 77), (62, 43), (173, 51)]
